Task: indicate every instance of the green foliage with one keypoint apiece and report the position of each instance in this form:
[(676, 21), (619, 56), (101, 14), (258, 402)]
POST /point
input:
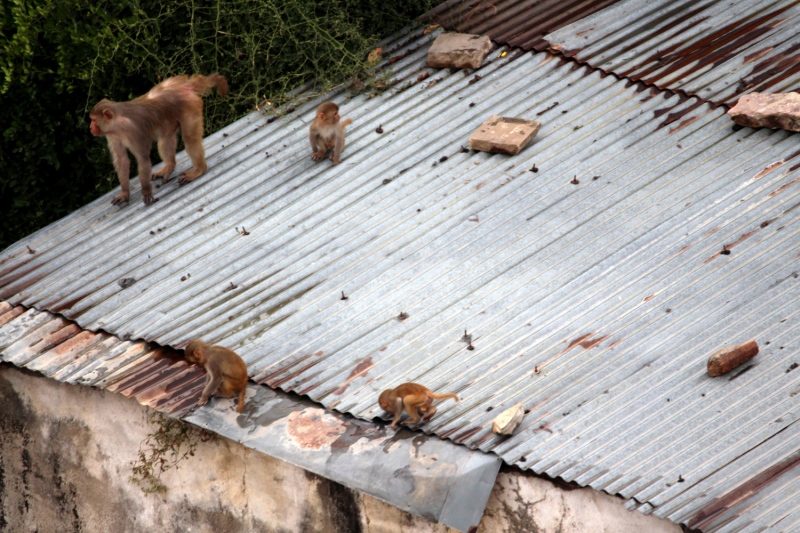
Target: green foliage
[(172, 442), (59, 57)]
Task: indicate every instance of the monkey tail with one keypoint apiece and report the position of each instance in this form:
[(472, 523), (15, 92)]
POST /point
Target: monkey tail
[(345, 122), (240, 407), (445, 396), (201, 85)]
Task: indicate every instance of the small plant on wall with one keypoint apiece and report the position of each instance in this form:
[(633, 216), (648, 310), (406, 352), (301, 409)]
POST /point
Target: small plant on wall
[(170, 443)]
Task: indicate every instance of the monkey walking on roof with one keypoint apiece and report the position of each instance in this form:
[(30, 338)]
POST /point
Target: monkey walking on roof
[(416, 399), (156, 116)]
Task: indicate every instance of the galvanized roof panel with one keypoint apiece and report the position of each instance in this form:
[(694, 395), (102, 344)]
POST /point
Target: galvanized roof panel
[(424, 475), (595, 304), (717, 50)]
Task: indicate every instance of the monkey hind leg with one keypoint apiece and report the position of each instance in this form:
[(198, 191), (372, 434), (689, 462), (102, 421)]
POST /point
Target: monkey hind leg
[(411, 409), (192, 134), (166, 149)]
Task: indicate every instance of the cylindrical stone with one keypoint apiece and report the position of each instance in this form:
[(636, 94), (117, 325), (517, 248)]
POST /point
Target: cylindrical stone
[(727, 359)]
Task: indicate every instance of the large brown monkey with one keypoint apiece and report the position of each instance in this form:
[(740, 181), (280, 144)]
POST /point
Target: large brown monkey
[(415, 398), (326, 132), (156, 116), (226, 373)]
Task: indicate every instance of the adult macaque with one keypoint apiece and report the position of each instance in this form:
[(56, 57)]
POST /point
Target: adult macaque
[(156, 116), (326, 132), (226, 373), (416, 399)]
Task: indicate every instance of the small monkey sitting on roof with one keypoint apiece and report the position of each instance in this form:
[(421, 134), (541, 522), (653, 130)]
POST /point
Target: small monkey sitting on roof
[(326, 132), (226, 373)]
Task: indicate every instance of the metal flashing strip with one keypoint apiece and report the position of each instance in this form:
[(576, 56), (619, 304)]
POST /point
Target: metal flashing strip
[(421, 474)]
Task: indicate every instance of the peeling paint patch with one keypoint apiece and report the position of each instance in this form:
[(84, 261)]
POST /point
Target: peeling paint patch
[(313, 429)]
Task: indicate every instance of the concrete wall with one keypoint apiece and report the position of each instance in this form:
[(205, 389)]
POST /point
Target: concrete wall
[(65, 460)]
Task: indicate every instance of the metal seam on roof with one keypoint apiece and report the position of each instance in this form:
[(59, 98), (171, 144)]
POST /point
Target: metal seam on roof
[(596, 304)]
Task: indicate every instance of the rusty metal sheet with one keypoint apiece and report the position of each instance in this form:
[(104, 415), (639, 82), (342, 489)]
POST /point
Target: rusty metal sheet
[(716, 50), (523, 24), (155, 376)]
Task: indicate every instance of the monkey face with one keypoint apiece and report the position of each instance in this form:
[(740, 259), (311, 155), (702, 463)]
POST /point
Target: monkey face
[(101, 117)]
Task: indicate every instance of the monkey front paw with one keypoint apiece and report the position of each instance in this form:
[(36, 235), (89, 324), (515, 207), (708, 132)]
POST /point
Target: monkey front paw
[(120, 198), (317, 156), (202, 401)]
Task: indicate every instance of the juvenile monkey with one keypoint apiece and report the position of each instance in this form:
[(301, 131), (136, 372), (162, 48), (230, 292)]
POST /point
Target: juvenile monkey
[(326, 132), (416, 400), (226, 373), (156, 116)]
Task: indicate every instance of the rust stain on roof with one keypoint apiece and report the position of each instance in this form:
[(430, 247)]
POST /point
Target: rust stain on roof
[(585, 342), (683, 124), (784, 187), (361, 369), (466, 434), (755, 56), (734, 243), (736, 501), (9, 313), (768, 169)]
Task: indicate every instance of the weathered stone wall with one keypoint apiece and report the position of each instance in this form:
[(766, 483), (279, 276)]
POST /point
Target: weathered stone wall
[(65, 463)]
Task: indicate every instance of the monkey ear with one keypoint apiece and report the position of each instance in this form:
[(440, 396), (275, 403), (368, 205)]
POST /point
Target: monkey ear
[(321, 116), (108, 114)]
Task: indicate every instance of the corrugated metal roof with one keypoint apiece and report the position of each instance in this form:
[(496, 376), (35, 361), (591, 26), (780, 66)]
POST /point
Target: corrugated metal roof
[(423, 475), (595, 304), (522, 23), (717, 50)]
